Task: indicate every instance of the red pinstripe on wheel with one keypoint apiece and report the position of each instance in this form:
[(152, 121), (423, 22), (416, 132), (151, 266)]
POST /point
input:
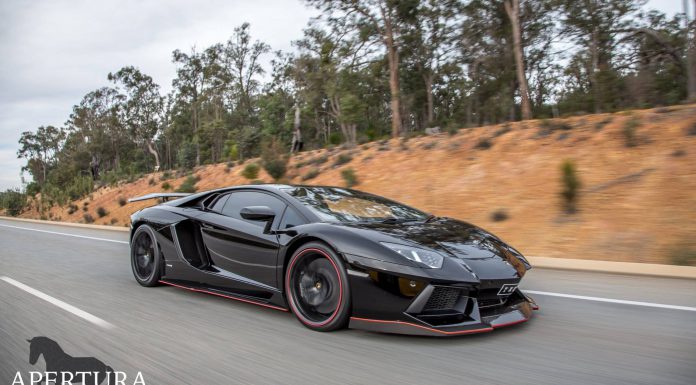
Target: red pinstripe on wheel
[(291, 301)]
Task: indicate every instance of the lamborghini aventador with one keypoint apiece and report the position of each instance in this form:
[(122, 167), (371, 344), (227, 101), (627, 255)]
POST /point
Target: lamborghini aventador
[(334, 257)]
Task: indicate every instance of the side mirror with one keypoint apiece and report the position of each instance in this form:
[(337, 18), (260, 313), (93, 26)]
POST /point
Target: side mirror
[(259, 213)]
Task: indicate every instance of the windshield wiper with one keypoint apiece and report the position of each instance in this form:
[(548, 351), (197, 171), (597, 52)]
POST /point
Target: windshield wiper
[(392, 220)]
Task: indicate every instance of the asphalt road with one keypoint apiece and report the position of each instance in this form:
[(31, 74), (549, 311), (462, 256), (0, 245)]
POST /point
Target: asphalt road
[(174, 336)]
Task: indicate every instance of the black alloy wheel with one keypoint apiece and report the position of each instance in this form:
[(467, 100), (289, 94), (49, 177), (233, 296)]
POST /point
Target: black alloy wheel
[(317, 288), (145, 257)]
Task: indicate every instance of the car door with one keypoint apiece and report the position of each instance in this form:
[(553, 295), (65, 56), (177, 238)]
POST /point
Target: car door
[(239, 248)]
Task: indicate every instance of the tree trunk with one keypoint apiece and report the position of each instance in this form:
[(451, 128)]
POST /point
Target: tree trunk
[(153, 151), (512, 8), (296, 134), (393, 56), (691, 52), (594, 54), (429, 98)]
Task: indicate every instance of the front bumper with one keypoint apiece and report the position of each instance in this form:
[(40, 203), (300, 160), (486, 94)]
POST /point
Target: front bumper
[(382, 303)]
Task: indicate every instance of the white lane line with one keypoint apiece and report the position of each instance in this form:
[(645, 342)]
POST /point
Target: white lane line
[(65, 306), (66, 234), (611, 300)]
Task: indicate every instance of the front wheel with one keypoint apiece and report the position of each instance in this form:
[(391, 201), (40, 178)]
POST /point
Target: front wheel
[(316, 285), (145, 256)]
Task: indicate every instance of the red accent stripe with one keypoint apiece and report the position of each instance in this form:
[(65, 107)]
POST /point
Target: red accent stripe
[(471, 331), (223, 296), (289, 293)]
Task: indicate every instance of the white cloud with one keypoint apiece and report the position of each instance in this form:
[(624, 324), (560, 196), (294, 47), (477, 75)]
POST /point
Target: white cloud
[(54, 52)]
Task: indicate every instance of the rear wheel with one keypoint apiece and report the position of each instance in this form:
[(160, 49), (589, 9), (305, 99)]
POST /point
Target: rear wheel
[(316, 285), (145, 256)]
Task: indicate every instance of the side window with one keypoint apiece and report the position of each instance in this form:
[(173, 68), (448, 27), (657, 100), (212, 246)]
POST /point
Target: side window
[(291, 218), (236, 201), (219, 203)]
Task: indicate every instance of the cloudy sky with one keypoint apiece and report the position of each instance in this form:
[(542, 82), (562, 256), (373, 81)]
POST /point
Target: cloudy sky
[(55, 51)]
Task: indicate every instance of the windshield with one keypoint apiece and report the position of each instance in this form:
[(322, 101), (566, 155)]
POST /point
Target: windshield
[(333, 204)]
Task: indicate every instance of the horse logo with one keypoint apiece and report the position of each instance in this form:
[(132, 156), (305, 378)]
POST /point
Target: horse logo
[(87, 370)]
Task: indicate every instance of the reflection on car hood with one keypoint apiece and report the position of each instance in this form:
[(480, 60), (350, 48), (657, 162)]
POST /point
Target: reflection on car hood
[(482, 252)]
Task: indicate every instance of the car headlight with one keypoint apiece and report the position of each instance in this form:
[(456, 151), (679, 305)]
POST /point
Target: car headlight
[(428, 258)]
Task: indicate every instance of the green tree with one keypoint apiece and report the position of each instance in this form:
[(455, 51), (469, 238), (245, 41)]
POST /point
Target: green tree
[(142, 108)]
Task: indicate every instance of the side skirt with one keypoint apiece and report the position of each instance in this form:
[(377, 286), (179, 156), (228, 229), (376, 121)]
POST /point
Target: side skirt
[(223, 295)]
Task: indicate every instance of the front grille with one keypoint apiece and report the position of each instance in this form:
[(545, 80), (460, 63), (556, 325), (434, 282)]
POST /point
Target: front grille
[(442, 298)]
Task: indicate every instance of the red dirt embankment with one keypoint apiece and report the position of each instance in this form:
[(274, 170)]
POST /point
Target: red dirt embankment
[(636, 203)]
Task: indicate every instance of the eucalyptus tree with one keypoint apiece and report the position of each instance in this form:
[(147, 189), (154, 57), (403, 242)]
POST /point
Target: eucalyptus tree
[(387, 20), (597, 28), (39, 149), (142, 107)]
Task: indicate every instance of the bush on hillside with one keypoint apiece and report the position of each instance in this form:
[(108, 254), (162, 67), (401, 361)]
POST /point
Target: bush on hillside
[(342, 159), (188, 185), (13, 201), (88, 218), (311, 175), (570, 186), (629, 132), (102, 212), (349, 177), (251, 171)]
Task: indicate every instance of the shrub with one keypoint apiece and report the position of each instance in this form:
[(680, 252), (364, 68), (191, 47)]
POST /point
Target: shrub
[(571, 184), (230, 164), (276, 168), (113, 221), (683, 256), (13, 201), (188, 185), (151, 182), (319, 160), (679, 153), (429, 145), (499, 215), (85, 208), (251, 171), (342, 159), (599, 125), (122, 201), (691, 131), (72, 208), (349, 177), (629, 132), (484, 144), (88, 218), (166, 175), (452, 129), (502, 130), (102, 212), (166, 186), (311, 175)]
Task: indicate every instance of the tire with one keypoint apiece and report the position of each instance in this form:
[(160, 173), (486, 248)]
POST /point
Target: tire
[(316, 287), (146, 261)]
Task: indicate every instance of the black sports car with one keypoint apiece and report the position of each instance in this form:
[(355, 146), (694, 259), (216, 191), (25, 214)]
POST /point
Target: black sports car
[(335, 257)]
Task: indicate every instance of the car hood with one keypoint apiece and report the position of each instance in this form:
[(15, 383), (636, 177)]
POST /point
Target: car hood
[(480, 251)]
